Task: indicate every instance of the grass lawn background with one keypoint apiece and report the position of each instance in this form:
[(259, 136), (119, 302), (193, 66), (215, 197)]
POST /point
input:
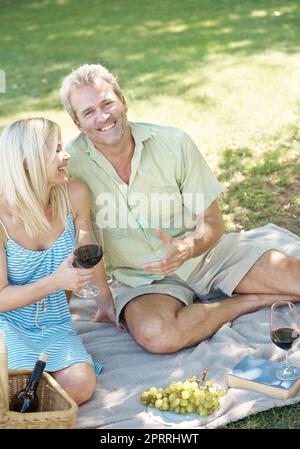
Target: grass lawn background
[(228, 72)]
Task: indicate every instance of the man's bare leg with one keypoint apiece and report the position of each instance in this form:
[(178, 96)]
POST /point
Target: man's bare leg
[(162, 324), (274, 272)]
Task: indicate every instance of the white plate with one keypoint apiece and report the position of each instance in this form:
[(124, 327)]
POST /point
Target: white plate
[(170, 418)]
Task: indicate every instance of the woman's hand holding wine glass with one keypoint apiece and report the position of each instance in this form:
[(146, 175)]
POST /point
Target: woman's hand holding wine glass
[(67, 278), (284, 330)]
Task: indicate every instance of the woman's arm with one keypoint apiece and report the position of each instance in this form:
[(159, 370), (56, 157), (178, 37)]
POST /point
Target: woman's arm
[(65, 277)]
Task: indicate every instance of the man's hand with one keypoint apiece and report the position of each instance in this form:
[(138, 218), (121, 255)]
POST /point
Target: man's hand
[(178, 251), (106, 313)]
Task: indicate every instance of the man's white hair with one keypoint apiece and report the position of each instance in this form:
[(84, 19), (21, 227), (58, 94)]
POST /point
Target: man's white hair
[(85, 75)]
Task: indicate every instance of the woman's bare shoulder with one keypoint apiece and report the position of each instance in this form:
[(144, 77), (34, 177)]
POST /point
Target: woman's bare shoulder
[(79, 195), (77, 189)]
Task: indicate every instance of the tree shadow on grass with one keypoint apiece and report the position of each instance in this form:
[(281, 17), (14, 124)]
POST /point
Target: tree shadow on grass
[(146, 43), (263, 192)]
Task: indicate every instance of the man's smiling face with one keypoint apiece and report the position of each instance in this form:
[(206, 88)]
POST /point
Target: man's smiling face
[(101, 114)]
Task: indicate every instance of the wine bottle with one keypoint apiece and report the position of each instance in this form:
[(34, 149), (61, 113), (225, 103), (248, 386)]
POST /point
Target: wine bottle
[(25, 401)]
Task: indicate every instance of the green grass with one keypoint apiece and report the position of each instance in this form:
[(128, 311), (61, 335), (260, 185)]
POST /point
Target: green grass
[(287, 417), (227, 71)]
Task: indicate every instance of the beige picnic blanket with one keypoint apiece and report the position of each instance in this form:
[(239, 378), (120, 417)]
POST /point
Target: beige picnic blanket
[(129, 369)]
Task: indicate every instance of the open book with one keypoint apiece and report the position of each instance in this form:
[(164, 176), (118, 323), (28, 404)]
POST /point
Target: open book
[(252, 373)]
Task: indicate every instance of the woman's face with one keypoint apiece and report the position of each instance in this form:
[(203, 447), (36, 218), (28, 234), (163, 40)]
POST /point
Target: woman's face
[(57, 164)]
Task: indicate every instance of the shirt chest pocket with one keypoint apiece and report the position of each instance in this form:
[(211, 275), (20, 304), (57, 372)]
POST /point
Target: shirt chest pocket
[(162, 207)]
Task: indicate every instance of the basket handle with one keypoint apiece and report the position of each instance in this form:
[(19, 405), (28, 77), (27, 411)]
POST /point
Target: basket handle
[(3, 380)]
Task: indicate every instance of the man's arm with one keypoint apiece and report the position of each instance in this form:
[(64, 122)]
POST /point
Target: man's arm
[(209, 229), (80, 200)]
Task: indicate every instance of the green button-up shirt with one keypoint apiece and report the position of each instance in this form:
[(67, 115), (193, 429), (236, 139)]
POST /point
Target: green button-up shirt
[(170, 183)]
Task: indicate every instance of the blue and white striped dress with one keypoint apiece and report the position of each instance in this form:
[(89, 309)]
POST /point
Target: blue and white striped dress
[(45, 325)]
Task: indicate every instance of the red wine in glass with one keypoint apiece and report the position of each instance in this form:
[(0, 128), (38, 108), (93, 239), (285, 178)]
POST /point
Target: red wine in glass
[(88, 252), (87, 256), (284, 337)]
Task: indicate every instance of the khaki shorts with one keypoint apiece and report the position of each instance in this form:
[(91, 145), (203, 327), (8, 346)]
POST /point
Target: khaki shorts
[(218, 273)]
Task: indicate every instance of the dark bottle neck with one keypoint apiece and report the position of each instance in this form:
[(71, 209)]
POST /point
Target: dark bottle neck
[(35, 376)]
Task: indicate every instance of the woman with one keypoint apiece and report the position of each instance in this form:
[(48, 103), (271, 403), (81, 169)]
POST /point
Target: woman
[(40, 210)]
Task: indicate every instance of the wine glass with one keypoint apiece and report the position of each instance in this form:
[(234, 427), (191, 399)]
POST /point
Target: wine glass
[(88, 251), (284, 330)]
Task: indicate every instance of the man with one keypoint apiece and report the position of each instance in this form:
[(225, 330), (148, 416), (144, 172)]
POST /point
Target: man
[(159, 264)]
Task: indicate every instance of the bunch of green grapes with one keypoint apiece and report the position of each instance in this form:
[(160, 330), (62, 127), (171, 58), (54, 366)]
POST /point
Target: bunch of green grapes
[(190, 396)]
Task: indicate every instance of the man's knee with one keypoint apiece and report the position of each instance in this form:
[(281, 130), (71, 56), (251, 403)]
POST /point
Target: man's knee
[(156, 336), (276, 257)]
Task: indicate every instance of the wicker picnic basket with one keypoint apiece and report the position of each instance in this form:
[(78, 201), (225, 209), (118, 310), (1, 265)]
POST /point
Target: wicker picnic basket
[(57, 410)]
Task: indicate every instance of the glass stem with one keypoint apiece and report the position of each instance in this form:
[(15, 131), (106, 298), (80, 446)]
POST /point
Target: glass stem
[(286, 358)]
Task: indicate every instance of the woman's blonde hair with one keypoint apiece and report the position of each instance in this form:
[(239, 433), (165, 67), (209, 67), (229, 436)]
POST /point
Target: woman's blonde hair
[(25, 147)]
